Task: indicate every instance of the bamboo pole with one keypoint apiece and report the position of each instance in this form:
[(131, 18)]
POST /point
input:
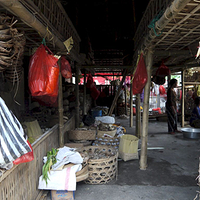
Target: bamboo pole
[(183, 99), (131, 105), (84, 94), (77, 99), (125, 101), (138, 117), (145, 120), (60, 109), (117, 93)]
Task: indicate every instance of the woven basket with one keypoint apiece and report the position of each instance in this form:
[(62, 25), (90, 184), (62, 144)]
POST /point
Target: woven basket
[(111, 133), (82, 134), (102, 170)]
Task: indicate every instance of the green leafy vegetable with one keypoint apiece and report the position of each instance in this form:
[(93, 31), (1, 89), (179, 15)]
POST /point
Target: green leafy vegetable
[(51, 160)]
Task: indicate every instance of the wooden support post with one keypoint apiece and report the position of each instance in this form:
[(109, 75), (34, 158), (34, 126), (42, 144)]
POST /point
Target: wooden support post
[(145, 120), (60, 109), (158, 101), (113, 86), (131, 105), (138, 117), (110, 90), (117, 94), (183, 99), (84, 94), (125, 101), (77, 99)]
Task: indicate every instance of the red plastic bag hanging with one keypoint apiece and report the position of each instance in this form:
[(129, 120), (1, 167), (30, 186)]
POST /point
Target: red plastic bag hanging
[(91, 85), (90, 81), (163, 70), (43, 73), (26, 157), (140, 76), (65, 68)]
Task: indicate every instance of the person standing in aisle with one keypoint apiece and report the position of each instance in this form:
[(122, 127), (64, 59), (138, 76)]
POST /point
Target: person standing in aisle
[(171, 107)]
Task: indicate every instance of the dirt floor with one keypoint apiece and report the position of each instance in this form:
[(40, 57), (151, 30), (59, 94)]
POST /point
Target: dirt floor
[(171, 173)]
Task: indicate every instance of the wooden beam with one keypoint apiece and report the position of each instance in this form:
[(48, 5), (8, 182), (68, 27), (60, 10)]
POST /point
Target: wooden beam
[(60, 109), (145, 119), (107, 67), (77, 98), (138, 117), (172, 53), (125, 101), (183, 100), (191, 83), (84, 94), (117, 93), (131, 104)]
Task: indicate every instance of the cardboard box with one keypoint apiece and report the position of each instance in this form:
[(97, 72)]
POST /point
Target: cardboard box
[(62, 195)]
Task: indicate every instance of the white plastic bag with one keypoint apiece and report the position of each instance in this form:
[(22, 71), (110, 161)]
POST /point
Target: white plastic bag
[(105, 119)]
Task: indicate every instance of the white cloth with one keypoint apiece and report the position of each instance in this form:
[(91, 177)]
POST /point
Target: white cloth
[(64, 179), (66, 155)]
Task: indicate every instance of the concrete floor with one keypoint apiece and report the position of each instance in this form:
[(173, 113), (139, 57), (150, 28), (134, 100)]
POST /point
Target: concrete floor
[(171, 173)]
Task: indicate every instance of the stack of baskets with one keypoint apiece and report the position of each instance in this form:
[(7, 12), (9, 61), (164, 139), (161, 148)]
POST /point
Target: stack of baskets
[(80, 135), (121, 110), (107, 137), (102, 164)]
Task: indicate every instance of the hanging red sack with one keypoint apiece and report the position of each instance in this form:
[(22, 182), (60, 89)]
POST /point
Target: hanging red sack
[(26, 157), (163, 70), (91, 85), (65, 68), (90, 81), (140, 76), (43, 73)]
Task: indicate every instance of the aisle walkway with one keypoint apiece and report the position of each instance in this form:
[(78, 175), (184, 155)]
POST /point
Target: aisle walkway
[(170, 174)]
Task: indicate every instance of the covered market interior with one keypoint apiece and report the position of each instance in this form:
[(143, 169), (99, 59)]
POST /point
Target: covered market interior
[(166, 35)]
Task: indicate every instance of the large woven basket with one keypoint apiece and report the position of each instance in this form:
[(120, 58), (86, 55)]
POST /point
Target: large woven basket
[(82, 134), (102, 170)]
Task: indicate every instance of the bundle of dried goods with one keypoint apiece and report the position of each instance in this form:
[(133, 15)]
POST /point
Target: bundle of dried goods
[(11, 49)]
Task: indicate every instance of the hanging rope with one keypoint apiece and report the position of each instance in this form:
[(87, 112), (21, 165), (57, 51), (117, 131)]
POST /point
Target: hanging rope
[(153, 22), (44, 42)]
